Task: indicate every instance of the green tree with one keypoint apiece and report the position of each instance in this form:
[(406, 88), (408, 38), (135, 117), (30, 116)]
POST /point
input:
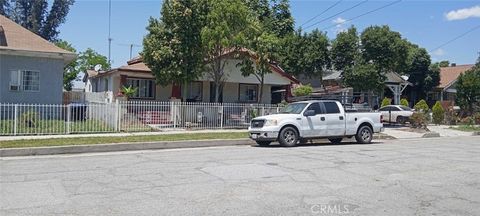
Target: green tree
[(422, 74), (172, 47), (438, 113), (291, 53), (303, 90), (404, 102), (264, 45), (363, 76), (316, 57), (421, 106), (282, 20), (225, 30), (345, 48), (384, 48), (468, 90), (444, 63), (35, 16), (85, 61), (70, 72)]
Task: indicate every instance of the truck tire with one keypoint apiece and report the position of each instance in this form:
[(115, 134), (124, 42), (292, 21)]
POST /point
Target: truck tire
[(335, 140), (364, 135), (263, 143), (288, 137)]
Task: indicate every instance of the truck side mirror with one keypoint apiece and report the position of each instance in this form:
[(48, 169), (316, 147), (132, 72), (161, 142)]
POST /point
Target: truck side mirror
[(309, 113)]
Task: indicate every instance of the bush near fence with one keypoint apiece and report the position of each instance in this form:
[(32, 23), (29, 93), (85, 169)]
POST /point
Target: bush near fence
[(128, 116)]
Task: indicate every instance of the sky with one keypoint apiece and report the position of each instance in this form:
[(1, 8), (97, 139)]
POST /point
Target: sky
[(428, 23)]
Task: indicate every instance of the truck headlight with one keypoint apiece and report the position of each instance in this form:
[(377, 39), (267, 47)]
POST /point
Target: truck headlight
[(271, 122)]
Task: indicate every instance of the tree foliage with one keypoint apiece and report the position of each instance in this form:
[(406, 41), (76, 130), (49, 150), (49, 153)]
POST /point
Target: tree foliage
[(468, 90), (363, 76), (444, 63), (172, 47), (345, 48), (421, 106), (404, 102), (35, 16), (422, 74), (303, 90), (225, 30), (438, 113), (85, 61), (386, 101)]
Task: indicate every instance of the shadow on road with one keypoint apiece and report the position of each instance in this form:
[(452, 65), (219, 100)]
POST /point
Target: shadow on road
[(317, 143)]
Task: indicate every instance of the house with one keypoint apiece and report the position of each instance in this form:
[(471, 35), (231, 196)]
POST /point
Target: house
[(31, 68), (237, 88), (446, 90)]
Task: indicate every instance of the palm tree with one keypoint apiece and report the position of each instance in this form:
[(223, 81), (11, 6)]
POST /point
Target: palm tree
[(129, 91)]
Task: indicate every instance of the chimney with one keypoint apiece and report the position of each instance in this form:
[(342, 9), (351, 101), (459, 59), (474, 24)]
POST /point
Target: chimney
[(453, 64)]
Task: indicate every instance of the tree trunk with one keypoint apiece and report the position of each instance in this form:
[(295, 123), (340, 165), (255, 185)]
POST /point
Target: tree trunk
[(261, 91)]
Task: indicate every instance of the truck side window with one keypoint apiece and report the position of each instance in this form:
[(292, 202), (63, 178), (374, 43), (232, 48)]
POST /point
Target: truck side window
[(331, 107), (315, 107)]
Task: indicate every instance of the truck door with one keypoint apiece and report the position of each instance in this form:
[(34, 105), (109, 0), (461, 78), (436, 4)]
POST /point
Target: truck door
[(335, 119), (314, 126)]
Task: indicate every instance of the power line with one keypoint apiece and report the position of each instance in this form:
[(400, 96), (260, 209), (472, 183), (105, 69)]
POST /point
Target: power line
[(366, 13), (350, 8), (456, 38), (338, 2)]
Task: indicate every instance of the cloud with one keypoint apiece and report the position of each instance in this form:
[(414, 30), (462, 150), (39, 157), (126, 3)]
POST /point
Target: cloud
[(464, 13), (339, 20), (439, 52)]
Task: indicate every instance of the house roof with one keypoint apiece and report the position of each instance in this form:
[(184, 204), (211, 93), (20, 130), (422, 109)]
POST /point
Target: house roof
[(137, 65), (16, 37), (448, 75)]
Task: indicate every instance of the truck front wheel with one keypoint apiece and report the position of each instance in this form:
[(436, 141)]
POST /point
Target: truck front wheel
[(364, 135), (288, 137)]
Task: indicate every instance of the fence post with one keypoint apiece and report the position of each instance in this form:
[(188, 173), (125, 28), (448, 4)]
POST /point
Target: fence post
[(69, 120), (15, 122), (174, 114), (117, 116), (221, 116)]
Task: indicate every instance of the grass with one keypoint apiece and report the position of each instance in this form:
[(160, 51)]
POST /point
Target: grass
[(54, 127), (467, 128), (127, 139)]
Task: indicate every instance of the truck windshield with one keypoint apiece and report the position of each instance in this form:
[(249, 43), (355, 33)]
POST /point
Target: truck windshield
[(294, 108)]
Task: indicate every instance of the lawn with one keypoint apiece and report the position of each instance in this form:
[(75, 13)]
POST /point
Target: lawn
[(53, 127), (467, 128), (126, 139)]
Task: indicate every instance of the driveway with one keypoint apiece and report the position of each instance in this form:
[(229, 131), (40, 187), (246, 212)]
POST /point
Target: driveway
[(438, 176)]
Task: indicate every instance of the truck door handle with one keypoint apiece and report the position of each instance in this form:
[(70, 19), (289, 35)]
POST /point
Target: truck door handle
[(340, 117), (322, 118)]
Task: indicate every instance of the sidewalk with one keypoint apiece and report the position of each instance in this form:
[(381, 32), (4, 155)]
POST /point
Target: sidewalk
[(442, 130), (177, 131)]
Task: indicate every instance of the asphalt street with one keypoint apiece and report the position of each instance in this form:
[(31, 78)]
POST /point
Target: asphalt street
[(437, 176)]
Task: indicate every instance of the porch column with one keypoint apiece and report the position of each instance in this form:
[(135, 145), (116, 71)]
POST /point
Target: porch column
[(396, 93)]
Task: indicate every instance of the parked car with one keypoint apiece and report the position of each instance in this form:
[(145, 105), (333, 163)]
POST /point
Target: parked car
[(396, 113), (302, 121)]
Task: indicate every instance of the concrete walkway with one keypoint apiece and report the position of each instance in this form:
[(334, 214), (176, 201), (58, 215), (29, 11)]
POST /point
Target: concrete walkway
[(177, 131)]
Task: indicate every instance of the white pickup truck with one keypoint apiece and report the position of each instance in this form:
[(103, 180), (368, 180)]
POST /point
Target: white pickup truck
[(301, 121)]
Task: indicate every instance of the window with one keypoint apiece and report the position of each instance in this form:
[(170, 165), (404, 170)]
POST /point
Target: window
[(247, 93), (394, 108), (145, 88), (194, 91), (105, 84), (387, 108), (25, 80), (294, 108), (405, 108), (331, 107), (15, 80), (315, 107)]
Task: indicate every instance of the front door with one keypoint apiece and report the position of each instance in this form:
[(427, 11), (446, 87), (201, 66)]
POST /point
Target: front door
[(314, 126), (335, 120)]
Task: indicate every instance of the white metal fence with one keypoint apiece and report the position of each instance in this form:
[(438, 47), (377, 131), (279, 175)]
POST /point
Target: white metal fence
[(131, 116)]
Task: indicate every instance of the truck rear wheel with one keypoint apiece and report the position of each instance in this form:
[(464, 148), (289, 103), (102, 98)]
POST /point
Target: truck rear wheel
[(364, 135), (335, 140), (288, 137)]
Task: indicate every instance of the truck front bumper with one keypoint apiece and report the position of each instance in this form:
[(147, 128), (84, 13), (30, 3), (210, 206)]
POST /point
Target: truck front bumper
[(262, 134)]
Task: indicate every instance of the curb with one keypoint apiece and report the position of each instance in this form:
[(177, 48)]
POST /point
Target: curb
[(75, 149), (382, 136), (430, 135), (476, 133)]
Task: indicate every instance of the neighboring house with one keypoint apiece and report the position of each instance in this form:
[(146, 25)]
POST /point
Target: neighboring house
[(237, 88), (31, 68), (446, 90)]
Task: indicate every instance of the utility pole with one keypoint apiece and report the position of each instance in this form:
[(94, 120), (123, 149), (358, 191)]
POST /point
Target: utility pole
[(131, 47), (109, 28)]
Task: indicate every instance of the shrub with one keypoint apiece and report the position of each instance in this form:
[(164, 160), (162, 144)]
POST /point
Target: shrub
[(421, 106), (303, 90), (451, 116), (467, 121), (438, 113), (476, 116), (418, 120), (386, 102), (30, 119), (404, 102)]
